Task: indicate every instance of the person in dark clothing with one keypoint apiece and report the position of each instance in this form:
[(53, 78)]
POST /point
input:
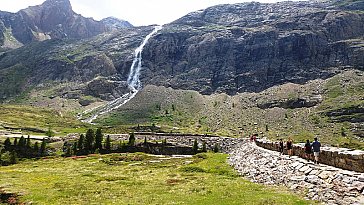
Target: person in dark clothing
[(316, 145), (281, 145), (289, 147), (308, 150)]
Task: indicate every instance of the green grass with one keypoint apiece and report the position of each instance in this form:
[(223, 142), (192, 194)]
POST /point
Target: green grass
[(135, 179), (25, 117)]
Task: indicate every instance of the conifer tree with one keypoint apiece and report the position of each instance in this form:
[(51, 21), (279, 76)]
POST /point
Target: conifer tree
[(16, 142), (89, 140), (21, 142), (68, 151), (43, 148), (28, 142), (98, 139), (80, 143), (204, 149), (216, 148), (131, 139), (145, 141), (7, 144), (195, 147), (36, 148), (74, 148), (13, 157), (108, 144)]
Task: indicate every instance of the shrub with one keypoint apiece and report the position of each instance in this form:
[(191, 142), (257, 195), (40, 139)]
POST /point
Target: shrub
[(216, 148), (195, 147), (204, 149), (192, 169), (131, 139)]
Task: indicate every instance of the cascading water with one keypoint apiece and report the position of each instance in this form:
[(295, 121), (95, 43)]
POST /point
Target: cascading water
[(133, 83)]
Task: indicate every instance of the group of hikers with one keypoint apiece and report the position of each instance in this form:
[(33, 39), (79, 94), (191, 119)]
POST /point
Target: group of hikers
[(309, 148)]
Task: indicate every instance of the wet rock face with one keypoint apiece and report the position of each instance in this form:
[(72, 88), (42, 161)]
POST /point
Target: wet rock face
[(253, 46)]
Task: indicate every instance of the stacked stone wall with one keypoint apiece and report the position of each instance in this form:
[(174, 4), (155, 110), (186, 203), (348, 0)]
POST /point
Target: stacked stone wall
[(338, 157)]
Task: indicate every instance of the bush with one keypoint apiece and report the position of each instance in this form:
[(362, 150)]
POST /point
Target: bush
[(131, 139), (216, 148), (192, 169), (204, 149), (195, 147)]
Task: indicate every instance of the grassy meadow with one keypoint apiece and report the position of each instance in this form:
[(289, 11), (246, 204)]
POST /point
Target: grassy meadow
[(137, 179)]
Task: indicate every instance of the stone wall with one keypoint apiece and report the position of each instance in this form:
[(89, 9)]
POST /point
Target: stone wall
[(225, 144), (337, 157)]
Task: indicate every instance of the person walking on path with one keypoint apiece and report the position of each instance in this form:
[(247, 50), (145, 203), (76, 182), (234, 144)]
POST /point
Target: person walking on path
[(289, 147), (280, 146), (316, 150), (308, 150)]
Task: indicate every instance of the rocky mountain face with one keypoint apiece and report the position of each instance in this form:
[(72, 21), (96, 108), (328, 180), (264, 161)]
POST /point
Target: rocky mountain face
[(245, 47), (253, 46), (116, 23), (53, 19)]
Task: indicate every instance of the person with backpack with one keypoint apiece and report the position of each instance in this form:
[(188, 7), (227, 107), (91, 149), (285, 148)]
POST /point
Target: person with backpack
[(308, 150), (316, 145)]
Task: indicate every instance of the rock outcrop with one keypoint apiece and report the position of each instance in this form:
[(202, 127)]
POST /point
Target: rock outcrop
[(115, 23), (53, 19), (246, 47), (253, 46)]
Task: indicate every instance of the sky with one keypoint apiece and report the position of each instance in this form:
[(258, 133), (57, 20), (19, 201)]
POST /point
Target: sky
[(137, 12)]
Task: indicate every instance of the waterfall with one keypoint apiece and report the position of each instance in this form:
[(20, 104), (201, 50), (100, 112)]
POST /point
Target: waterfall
[(133, 83)]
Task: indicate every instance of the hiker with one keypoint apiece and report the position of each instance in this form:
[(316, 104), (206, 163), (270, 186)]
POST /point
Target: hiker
[(316, 150), (289, 146), (308, 150), (280, 146)]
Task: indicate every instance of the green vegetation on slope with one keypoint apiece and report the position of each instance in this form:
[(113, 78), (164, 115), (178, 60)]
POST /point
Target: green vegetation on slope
[(38, 120), (191, 112), (137, 179)]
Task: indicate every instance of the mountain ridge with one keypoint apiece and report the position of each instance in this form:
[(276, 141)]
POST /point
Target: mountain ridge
[(50, 20), (245, 53)]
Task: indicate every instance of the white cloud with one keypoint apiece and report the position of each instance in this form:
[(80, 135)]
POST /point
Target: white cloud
[(138, 12)]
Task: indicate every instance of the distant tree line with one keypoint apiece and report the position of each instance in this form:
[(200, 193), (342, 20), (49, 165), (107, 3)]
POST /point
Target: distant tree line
[(22, 148), (91, 142)]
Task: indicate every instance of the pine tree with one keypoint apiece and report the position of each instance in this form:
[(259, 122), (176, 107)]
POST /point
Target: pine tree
[(49, 133), (68, 150), (7, 144), (80, 143), (16, 142), (98, 139), (204, 149), (89, 140), (195, 147), (108, 144), (131, 139), (13, 157), (216, 148), (36, 148), (28, 142), (145, 141), (43, 148), (74, 148), (22, 142)]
